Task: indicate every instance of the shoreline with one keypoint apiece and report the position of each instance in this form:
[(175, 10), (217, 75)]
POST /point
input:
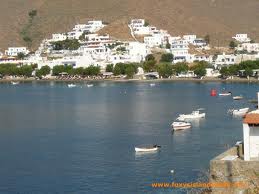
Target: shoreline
[(234, 80)]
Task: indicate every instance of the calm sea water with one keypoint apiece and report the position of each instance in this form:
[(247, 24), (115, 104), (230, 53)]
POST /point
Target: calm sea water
[(55, 139)]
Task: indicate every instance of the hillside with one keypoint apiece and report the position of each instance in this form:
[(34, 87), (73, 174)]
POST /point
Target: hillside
[(219, 18)]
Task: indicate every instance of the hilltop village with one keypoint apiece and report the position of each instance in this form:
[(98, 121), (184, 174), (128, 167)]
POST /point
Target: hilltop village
[(153, 53)]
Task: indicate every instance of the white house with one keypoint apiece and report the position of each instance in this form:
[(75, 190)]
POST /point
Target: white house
[(137, 51), (91, 26), (199, 42), (138, 27), (58, 37), (74, 34), (13, 51), (153, 41), (249, 47), (224, 59), (1, 54), (180, 50), (241, 38), (189, 38), (207, 58), (251, 135)]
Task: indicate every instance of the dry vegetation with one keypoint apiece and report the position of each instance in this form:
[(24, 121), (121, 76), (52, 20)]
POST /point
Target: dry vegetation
[(219, 18)]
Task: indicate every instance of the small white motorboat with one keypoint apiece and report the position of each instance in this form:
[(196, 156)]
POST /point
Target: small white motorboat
[(194, 115), (239, 112), (225, 94), (71, 85), (89, 85), (237, 97), (15, 83), (147, 148), (181, 125), (152, 84)]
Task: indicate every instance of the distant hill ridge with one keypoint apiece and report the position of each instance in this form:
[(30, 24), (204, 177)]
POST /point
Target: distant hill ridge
[(221, 19)]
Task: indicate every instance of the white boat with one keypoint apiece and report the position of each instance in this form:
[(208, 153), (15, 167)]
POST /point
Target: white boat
[(147, 148), (71, 85), (237, 97), (152, 84), (194, 115), (89, 85), (225, 94), (181, 125), (15, 83), (238, 112)]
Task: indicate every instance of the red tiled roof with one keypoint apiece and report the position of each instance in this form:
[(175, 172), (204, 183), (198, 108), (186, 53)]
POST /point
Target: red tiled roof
[(251, 118)]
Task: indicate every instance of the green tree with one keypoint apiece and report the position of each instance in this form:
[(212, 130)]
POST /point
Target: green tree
[(68, 44), (180, 68), (167, 57), (32, 13), (109, 68), (248, 71), (130, 71), (165, 70), (232, 44), (168, 45), (146, 23), (117, 70), (224, 71), (149, 66), (207, 38), (150, 57), (20, 56), (25, 70)]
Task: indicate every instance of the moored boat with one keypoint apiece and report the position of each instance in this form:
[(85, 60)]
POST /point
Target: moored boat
[(71, 85), (147, 148), (15, 83), (237, 97), (194, 115), (90, 85), (225, 94), (239, 112), (152, 84), (181, 125)]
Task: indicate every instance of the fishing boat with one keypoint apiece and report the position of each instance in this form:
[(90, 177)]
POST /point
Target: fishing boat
[(237, 97), (15, 83), (225, 94), (71, 85), (194, 115), (147, 148), (181, 125), (89, 85), (239, 112), (152, 84)]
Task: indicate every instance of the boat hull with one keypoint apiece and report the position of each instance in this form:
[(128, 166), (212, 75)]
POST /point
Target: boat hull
[(146, 149)]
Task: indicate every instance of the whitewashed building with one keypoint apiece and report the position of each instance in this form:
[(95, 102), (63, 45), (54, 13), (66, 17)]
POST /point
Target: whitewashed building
[(180, 50), (91, 26), (249, 47), (224, 60), (13, 51), (190, 38), (251, 135), (138, 51), (74, 34), (153, 41), (138, 27), (58, 37), (241, 38)]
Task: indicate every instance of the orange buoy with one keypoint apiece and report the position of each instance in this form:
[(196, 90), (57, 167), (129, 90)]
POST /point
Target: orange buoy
[(213, 92)]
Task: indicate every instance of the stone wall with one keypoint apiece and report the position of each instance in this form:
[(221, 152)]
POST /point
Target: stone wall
[(234, 171)]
